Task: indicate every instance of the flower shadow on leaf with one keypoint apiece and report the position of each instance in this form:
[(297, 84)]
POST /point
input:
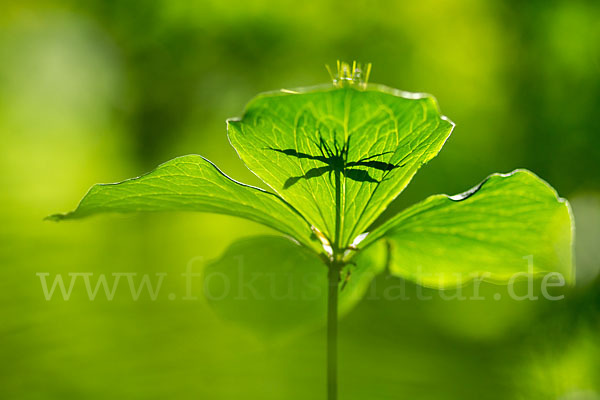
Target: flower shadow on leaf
[(336, 161)]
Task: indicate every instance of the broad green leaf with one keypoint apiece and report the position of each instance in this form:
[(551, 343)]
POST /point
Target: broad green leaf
[(275, 287), (192, 183), (492, 231), (326, 148)]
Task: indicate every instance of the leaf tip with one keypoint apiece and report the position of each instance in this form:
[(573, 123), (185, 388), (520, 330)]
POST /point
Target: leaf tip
[(55, 217)]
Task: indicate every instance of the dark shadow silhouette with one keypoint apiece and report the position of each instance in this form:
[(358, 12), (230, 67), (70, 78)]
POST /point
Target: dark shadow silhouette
[(336, 162)]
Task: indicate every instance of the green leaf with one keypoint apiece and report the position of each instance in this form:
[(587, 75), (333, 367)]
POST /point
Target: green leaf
[(274, 287), (326, 146), (192, 183), (490, 231)]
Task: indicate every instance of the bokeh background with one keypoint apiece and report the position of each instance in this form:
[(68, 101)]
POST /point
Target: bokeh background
[(99, 91)]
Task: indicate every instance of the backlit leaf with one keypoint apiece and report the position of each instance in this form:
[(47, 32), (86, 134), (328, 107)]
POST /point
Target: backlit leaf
[(192, 183), (509, 224), (326, 147)]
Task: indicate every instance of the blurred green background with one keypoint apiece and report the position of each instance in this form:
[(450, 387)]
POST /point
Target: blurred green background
[(98, 91)]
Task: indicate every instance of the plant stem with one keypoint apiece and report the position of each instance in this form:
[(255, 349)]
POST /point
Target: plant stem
[(333, 279), (332, 319)]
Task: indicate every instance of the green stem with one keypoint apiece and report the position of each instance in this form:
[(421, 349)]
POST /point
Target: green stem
[(332, 319), (333, 279)]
